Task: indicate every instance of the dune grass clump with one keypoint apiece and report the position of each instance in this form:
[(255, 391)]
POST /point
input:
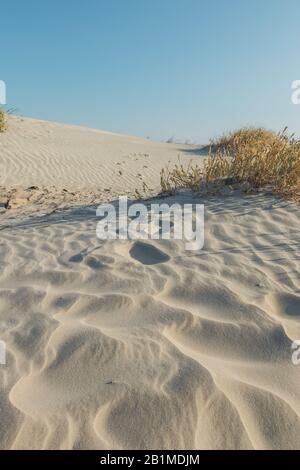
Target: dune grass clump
[(2, 121), (263, 159), (247, 137)]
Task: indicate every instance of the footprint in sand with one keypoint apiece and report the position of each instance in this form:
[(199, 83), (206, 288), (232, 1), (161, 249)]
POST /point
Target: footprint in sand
[(90, 261), (148, 254), (93, 263), (76, 258), (286, 305)]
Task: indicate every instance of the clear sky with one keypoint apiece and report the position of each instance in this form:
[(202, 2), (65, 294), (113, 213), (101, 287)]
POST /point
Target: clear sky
[(159, 68)]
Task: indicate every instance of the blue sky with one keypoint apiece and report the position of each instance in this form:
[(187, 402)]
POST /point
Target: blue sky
[(159, 68)]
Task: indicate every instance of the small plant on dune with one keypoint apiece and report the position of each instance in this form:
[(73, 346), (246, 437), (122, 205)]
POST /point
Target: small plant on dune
[(2, 121), (261, 158), (4, 114)]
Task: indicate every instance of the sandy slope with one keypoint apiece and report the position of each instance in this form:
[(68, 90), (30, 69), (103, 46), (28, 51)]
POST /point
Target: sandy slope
[(42, 153), (106, 350)]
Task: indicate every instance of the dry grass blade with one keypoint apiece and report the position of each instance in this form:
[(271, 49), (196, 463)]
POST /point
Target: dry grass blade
[(180, 177)]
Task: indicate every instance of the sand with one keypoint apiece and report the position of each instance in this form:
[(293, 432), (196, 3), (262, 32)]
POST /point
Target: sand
[(48, 154), (106, 350), (45, 166)]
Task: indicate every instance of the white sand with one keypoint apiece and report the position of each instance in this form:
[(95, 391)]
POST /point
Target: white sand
[(105, 351), (43, 153)]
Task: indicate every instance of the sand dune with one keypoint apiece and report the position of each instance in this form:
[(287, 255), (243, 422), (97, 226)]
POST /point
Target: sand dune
[(129, 344), (47, 166), (42, 153)]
